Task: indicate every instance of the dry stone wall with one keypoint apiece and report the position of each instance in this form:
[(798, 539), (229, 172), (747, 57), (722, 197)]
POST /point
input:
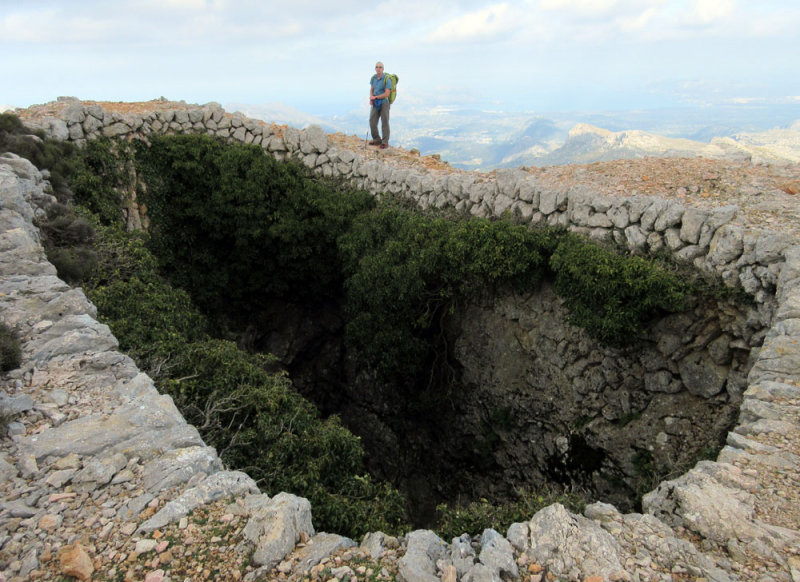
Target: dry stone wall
[(90, 426)]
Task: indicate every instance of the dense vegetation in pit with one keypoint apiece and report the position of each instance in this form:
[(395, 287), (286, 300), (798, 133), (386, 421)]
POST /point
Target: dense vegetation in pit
[(233, 231)]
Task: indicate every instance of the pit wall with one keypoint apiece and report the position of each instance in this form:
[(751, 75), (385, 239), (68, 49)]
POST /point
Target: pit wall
[(714, 502)]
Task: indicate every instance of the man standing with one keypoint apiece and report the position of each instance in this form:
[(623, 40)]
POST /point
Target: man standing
[(379, 88)]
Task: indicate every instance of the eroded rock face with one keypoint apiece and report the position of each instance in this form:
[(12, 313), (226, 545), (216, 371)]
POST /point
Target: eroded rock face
[(563, 407)]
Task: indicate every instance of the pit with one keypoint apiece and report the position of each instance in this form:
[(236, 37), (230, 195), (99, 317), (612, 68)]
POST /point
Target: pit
[(529, 401)]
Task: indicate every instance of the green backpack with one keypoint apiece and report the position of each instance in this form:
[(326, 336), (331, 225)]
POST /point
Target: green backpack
[(393, 90)]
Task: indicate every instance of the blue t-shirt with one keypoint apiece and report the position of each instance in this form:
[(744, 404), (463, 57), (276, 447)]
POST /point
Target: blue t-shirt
[(379, 86)]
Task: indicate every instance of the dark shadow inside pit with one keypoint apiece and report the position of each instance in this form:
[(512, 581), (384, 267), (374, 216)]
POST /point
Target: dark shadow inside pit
[(532, 402)]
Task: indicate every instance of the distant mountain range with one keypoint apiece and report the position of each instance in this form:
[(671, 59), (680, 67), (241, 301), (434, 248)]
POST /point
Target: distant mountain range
[(485, 139), (586, 143)]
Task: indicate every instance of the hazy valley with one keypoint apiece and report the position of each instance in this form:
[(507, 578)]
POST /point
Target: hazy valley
[(483, 139)]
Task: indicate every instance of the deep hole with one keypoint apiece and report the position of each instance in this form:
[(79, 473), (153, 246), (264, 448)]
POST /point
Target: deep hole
[(531, 401), (512, 395)]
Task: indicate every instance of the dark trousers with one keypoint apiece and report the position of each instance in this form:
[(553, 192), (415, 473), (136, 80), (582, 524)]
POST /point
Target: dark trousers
[(373, 121)]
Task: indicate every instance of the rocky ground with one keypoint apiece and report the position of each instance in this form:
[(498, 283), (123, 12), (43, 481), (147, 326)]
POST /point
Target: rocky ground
[(63, 517)]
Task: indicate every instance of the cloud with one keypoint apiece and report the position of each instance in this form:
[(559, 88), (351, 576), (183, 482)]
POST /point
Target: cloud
[(705, 12), (487, 24), (664, 20), (49, 26), (581, 8), (152, 23), (596, 21)]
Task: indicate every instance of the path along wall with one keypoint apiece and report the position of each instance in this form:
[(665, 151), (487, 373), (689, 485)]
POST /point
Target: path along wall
[(64, 346)]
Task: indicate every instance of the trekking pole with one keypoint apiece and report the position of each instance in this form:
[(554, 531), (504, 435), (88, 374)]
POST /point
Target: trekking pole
[(365, 138)]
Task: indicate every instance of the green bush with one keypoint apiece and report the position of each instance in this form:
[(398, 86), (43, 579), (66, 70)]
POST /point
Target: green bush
[(237, 228), (614, 296), (261, 425), (479, 515), (10, 124), (407, 270), (73, 265), (100, 177), (63, 227), (10, 349)]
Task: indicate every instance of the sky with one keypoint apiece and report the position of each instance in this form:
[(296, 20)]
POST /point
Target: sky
[(317, 56)]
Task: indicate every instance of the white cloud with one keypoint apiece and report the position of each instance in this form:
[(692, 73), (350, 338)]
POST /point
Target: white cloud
[(705, 12), (598, 20), (580, 7), (179, 4), (486, 24), (51, 26), (640, 21)]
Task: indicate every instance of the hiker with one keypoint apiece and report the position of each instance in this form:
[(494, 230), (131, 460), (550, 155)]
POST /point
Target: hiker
[(380, 87)]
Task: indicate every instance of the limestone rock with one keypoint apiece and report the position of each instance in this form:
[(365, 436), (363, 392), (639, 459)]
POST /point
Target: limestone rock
[(498, 554), (712, 501), (217, 486), (572, 545), (155, 426), (75, 561), (462, 554), (178, 466), (424, 548), (320, 547), (277, 526), (374, 543), (101, 469), (313, 140), (7, 470), (702, 376)]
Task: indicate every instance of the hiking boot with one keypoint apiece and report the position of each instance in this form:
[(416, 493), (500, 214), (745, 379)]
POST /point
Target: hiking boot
[(375, 142), (384, 146)]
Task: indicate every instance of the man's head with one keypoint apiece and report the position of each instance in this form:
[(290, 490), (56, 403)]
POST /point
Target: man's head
[(379, 69)]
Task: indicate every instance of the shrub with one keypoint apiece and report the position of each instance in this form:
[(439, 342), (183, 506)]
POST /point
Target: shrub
[(261, 425), (10, 124), (236, 228), (479, 515), (101, 176), (65, 228), (407, 270), (10, 349), (611, 295), (74, 265)]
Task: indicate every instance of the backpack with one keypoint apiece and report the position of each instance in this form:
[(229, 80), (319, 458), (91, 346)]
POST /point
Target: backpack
[(393, 90)]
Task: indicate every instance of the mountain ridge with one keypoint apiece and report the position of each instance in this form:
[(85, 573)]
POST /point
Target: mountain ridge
[(484, 140)]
